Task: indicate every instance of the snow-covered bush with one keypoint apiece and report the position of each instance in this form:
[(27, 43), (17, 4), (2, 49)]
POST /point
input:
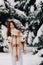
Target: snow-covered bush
[(40, 53)]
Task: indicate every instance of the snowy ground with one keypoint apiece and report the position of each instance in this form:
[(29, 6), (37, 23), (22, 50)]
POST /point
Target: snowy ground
[(27, 59)]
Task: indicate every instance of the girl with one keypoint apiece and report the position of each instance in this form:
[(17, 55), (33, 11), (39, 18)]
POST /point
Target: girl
[(14, 37)]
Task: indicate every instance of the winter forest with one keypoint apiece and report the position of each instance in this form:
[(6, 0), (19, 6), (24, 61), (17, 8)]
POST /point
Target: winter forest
[(28, 17)]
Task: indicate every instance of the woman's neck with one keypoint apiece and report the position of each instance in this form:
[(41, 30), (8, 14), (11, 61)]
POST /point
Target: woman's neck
[(12, 28)]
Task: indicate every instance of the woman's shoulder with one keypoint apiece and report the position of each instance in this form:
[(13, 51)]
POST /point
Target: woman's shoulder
[(17, 32), (20, 33)]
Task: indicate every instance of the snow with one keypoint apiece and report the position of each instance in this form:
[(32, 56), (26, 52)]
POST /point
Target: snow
[(38, 2), (11, 2), (40, 52), (40, 31), (28, 59), (5, 59), (30, 35), (2, 4), (4, 30), (29, 38), (26, 3), (32, 9), (20, 13), (31, 59), (36, 40)]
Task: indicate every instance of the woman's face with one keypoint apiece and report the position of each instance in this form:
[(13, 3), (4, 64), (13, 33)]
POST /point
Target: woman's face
[(11, 25)]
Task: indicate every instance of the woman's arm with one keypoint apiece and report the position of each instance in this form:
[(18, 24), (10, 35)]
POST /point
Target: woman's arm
[(23, 42)]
